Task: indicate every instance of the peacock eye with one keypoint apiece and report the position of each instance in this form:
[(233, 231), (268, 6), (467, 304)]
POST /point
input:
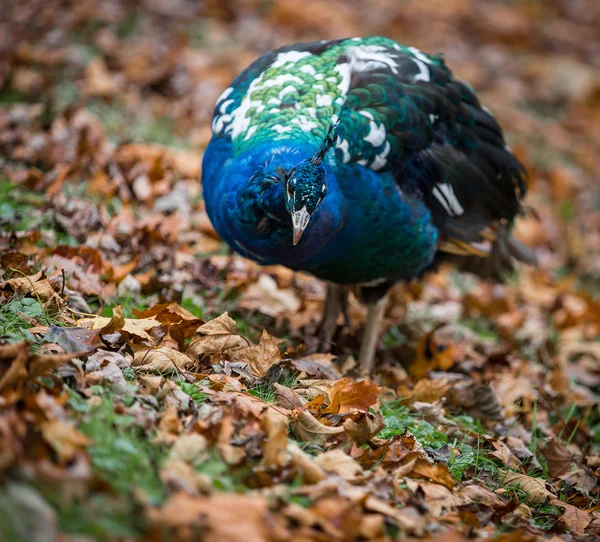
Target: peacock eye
[(290, 190)]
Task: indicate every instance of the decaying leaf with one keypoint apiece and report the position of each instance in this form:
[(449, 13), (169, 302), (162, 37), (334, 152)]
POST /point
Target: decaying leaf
[(431, 356), (347, 395), (574, 519), (216, 336), (535, 488), (18, 364), (308, 429), (137, 328), (162, 360), (340, 463), (259, 358)]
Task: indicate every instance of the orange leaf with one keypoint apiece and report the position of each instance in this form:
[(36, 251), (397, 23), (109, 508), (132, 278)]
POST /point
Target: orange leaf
[(347, 395)]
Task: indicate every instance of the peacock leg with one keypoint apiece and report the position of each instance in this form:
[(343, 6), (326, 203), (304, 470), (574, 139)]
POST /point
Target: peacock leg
[(375, 312), (336, 300)]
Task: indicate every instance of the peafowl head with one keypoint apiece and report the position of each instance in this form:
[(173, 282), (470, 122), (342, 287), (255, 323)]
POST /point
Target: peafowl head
[(306, 186)]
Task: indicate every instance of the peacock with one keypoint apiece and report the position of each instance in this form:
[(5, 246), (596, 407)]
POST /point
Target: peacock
[(365, 163)]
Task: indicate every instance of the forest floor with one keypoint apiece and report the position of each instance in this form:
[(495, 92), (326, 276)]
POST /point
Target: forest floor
[(153, 386)]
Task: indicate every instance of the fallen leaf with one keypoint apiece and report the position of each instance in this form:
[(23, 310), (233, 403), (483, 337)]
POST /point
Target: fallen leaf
[(317, 365), (259, 358), (347, 395), (23, 365), (535, 488), (557, 456), (308, 429), (338, 462), (216, 336), (161, 359), (431, 356), (132, 326), (275, 426), (64, 439), (575, 519), (269, 298), (222, 516)]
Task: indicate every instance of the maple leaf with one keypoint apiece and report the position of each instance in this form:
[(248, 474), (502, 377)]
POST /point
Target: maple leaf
[(347, 395), (259, 358)]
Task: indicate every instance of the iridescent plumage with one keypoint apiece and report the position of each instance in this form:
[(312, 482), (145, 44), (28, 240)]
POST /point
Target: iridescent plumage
[(418, 170)]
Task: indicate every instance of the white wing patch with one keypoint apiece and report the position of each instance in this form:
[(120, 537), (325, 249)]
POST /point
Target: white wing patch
[(421, 61), (370, 57), (444, 193)]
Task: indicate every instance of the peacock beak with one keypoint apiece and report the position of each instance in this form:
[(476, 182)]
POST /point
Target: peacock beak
[(300, 220)]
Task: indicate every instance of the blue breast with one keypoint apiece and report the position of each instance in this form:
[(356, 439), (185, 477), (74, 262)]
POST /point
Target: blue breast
[(365, 229)]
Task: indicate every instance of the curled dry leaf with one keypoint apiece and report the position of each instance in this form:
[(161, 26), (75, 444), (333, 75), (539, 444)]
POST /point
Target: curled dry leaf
[(534, 487), (137, 328), (174, 315), (275, 426), (216, 337), (436, 473), (259, 358), (431, 356), (574, 519), (338, 462), (162, 359), (222, 516), (347, 395), (308, 429), (365, 427), (425, 391), (318, 366), (34, 285), (305, 464), (18, 364), (266, 296), (287, 397), (64, 439), (557, 456), (437, 497)]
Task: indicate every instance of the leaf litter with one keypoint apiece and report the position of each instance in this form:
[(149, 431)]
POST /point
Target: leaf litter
[(154, 386)]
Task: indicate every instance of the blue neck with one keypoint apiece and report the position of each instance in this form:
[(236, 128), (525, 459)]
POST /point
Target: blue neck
[(263, 226)]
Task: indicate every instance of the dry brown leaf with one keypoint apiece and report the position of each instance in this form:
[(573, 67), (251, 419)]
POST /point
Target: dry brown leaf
[(407, 518), (308, 429), (287, 397), (425, 391), (23, 365), (437, 497), (64, 439), (482, 495), (222, 517), (431, 356), (365, 427), (338, 462), (275, 426), (162, 359), (534, 487), (436, 473), (170, 426), (35, 285), (317, 365), (311, 472), (347, 395), (174, 315), (216, 337), (259, 358), (135, 327), (575, 519), (557, 456), (269, 298)]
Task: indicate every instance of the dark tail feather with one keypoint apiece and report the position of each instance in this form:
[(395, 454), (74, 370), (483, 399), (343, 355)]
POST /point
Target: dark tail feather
[(506, 251)]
